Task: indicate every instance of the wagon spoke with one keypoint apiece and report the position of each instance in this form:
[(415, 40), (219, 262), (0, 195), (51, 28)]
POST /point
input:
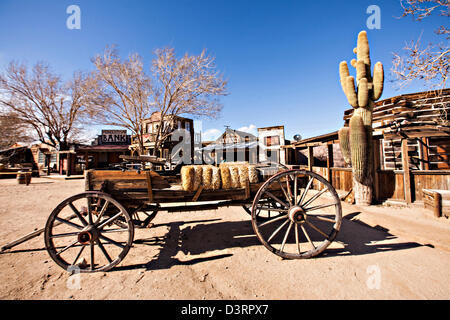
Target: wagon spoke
[(305, 191), (307, 236), (107, 221), (62, 235), (284, 191), (66, 248), (102, 211), (75, 210), (277, 199), (317, 195), (288, 186), (89, 209), (272, 209), (92, 255), (273, 220), (102, 248), (115, 230), (277, 230), (319, 207), (286, 236), (296, 239), (111, 241), (78, 255), (69, 223), (317, 229)]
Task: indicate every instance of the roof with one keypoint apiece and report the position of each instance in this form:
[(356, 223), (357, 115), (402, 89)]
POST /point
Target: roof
[(230, 146), (317, 140), (241, 134), (156, 116), (103, 148)]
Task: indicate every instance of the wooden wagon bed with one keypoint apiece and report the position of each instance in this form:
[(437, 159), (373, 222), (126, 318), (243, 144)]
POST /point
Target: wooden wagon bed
[(149, 187)]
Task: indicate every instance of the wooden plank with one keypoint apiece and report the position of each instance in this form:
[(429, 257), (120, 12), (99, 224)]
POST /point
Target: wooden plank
[(406, 171), (330, 157), (197, 194), (310, 158), (149, 186)]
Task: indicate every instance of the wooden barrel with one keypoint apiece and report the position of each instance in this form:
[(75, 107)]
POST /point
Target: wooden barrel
[(23, 177)]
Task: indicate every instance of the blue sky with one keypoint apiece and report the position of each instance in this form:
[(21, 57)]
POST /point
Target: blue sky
[(281, 57)]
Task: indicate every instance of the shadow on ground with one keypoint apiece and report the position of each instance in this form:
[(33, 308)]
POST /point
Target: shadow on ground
[(203, 236)]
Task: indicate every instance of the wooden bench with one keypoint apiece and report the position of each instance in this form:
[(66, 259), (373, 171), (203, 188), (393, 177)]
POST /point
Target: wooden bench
[(438, 201)]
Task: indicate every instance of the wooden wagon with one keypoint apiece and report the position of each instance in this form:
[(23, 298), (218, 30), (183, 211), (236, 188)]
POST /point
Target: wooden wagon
[(294, 213)]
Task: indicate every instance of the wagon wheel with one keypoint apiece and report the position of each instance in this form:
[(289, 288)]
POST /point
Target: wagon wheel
[(309, 219), (89, 232)]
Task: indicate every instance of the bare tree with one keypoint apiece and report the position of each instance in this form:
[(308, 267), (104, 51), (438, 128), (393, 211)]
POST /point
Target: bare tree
[(12, 130), (430, 63), (39, 99), (189, 85), (123, 92)]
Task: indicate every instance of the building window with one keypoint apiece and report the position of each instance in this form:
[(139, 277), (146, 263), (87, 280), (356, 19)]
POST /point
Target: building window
[(272, 141), (179, 124), (41, 157), (188, 126)]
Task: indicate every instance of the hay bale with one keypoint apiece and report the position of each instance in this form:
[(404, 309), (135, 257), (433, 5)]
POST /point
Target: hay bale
[(187, 178), (198, 175), (207, 177), (252, 174), (234, 174), (225, 176), (216, 182), (243, 175)]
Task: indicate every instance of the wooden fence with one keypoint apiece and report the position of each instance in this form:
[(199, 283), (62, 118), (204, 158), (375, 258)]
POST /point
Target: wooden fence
[(390, 184)]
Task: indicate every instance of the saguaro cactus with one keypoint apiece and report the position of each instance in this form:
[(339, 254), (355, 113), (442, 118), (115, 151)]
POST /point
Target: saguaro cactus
[(356, 140)]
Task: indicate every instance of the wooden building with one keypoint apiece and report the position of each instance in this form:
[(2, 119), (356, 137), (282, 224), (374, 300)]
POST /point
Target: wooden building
[(151, 127), (411, 147), (231, 146)]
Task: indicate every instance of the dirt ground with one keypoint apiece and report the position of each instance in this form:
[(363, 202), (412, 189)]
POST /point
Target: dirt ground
[(215, 255)]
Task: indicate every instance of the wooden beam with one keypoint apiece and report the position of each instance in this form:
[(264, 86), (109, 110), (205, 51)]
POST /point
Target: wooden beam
[(330, 162), (149, 186), (424, 146), (310, 158), (406, 171)]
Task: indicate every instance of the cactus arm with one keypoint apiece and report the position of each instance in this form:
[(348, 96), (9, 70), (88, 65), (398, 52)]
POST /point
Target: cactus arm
[(363, 52), (344, 142), (378, 80), (343, 74), (350, 91)]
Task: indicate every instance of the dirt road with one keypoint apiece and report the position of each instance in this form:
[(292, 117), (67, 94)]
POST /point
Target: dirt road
[(214, 255)]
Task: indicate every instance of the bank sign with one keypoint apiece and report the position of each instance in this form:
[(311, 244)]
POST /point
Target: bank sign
[(115, 137)]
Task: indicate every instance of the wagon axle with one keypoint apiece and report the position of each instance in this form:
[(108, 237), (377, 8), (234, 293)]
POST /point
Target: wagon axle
[(297, 215)]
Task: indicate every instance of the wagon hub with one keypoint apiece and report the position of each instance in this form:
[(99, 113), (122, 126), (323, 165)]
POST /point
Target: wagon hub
[(88, 235), (296, 214)]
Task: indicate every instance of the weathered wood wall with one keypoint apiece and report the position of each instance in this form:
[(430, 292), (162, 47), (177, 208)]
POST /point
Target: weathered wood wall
[(390, 182)]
